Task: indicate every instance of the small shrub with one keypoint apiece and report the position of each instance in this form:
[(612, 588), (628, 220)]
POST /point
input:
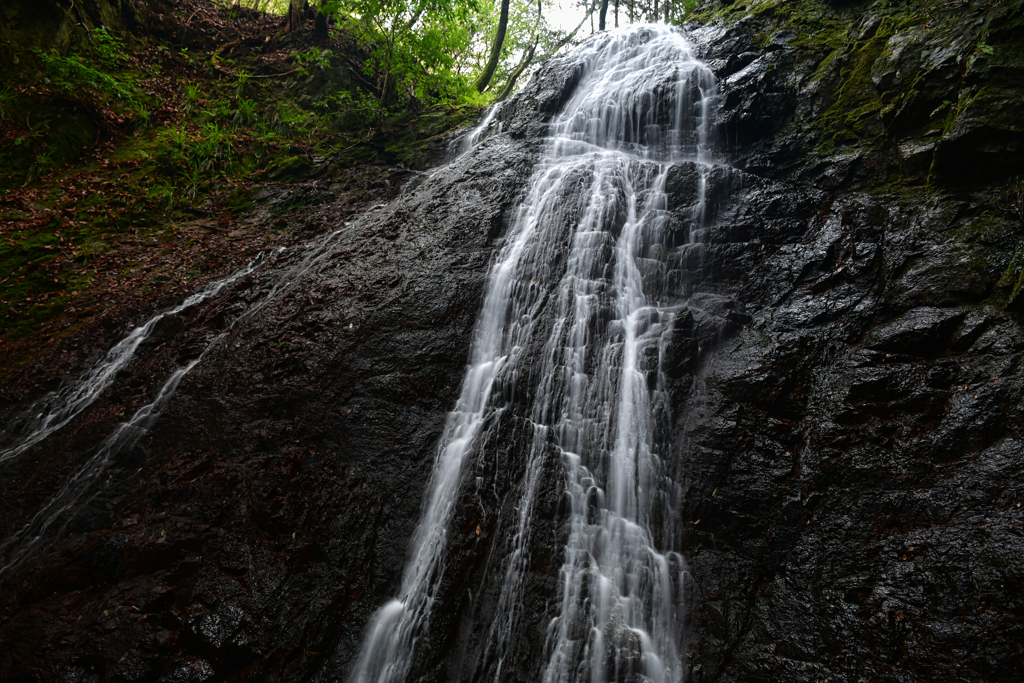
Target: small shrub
[(192, 99), (241, 80), (90, 74), (245, 114), (71, 75)]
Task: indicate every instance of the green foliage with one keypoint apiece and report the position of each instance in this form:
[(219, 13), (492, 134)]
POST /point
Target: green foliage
[(424, 52), (196, 155), (312, 57), (59, 103), (414, 48), (43, 163), (140, 119), (221, 137), (348, 110), (245, 115), (192, 98), (71, 75), (90, 72), (111, 52), (241, 79)]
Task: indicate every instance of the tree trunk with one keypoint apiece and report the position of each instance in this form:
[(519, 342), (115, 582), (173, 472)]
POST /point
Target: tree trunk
[(320, 33), (295, 14), (527, 58), (603, 15), (415, 17), (499, 40)]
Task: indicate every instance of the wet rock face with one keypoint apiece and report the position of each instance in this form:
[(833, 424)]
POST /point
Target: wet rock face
[(267, 514), (254, 530), (872, 92), (846, 389), (852, 456), (852, 459)]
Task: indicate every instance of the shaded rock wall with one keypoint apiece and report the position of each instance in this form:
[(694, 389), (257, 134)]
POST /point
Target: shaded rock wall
[(853, 457)]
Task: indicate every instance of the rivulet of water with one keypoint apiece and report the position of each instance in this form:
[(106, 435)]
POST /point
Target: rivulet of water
[(59, 510), (57, 513), (58, 409), (582, 276), (474, 136)]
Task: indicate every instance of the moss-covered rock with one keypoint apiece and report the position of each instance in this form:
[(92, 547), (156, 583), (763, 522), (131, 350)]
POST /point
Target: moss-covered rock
[(916, 91), (289, 168)]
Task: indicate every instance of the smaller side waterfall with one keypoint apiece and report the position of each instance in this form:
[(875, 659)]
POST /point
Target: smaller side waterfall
[(582, 276), (390, 640), (32, 535), (52, 518), (57, 410), (473, 137)]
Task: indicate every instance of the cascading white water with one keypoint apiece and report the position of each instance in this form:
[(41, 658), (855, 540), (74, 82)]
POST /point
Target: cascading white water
[(583, 273), (473, 137), (58, 409)]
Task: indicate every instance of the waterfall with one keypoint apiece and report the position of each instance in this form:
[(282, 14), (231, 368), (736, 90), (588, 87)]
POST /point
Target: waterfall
[(59, 408), (473, 137), (581, 281)]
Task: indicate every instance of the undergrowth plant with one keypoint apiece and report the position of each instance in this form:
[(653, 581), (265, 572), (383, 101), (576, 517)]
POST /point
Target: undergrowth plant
[(192, 98), (7, 97), (91, 72), (314, 56), (245, 113), (221, 141), (63, 101)]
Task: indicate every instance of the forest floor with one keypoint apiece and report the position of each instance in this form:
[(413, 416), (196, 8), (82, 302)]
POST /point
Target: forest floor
[(153, 161)]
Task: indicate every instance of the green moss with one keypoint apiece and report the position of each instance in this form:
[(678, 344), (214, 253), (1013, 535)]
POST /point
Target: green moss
[(842, 45), (289, 168), (984, 229), (30, 289), (239, 201), (856, 100), (420, 131), (1012, 279)]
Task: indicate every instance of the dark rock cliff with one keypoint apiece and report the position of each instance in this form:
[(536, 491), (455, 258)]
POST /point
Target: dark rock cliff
[(846, 385), (854, 458)]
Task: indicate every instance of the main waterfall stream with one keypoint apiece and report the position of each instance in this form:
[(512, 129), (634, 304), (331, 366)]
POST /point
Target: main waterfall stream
[(579, 290)]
